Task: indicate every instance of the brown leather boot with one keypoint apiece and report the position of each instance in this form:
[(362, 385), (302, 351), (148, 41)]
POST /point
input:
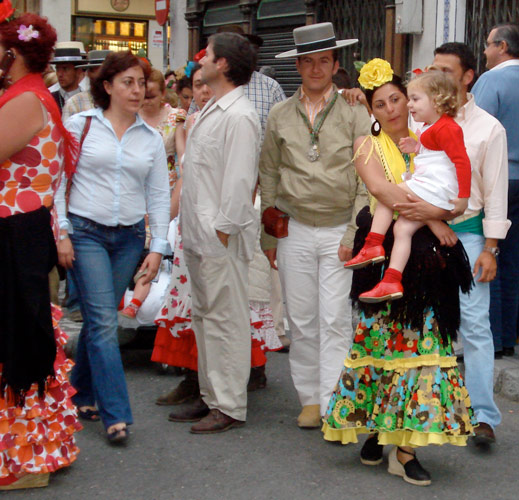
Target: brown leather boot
[(188, 390), (215, 422), (257, 379), (192, 412)]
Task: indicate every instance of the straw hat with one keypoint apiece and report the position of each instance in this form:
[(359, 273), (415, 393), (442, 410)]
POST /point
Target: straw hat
[(67, 56)]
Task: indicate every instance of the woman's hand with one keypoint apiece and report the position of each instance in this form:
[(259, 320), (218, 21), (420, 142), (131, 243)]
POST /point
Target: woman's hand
[(460, 205), (65, 253), (443, 232), (151, 265), (419, 210), (271, 255)]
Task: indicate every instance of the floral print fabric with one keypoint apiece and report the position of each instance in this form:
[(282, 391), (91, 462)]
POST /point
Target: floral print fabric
[(403, 385), (38, 437)]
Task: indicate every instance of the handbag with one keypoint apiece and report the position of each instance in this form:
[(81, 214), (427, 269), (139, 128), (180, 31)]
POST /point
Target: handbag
[(275, 222)]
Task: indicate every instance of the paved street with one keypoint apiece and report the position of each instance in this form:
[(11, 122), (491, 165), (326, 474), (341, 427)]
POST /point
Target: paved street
[(269, 458)]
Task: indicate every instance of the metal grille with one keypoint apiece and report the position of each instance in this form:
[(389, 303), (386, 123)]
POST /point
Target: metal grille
[(286, 72), (364, 20), (480, 17)]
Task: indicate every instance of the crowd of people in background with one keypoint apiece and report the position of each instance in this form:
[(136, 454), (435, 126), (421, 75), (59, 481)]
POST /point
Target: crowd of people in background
[(207, 197)]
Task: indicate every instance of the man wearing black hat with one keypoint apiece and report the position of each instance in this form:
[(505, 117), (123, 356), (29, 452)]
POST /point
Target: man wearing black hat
[(69, 75), (306, 171)]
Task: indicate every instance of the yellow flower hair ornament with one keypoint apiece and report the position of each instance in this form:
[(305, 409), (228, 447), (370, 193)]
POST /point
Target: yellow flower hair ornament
[(375, 73)]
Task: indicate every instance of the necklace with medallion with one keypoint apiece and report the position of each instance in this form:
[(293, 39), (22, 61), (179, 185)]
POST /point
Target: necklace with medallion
[(314, 153)]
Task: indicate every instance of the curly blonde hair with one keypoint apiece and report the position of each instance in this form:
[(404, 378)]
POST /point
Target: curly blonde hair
[(442, 91)]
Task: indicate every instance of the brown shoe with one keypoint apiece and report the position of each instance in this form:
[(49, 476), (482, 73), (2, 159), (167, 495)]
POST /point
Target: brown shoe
[(257, 379), (310, 417), (188, 390), (484, 435), (215, 422), (193, 412)]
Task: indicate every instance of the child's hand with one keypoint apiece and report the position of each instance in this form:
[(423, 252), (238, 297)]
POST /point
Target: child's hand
[(460, 205), (408, 145)]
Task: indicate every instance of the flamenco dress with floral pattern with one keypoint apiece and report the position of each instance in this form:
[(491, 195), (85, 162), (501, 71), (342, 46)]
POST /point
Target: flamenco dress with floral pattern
[(400, 378), (37, 431)]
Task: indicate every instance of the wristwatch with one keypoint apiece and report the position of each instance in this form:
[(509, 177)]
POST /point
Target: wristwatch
[(493, 250), (63, 236)]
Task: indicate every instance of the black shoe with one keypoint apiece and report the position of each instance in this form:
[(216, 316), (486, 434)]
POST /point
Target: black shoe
[(508, 351), (498, 355), (190, 412), (372, 452), (412, 472)]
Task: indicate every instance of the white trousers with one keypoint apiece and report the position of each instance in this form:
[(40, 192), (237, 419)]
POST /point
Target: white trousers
[(220, 317), (316, 287)]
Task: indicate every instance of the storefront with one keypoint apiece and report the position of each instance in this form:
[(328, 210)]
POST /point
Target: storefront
[(118, 25)]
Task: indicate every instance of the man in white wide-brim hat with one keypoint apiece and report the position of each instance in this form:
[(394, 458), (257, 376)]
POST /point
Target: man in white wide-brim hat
[(306, 172)]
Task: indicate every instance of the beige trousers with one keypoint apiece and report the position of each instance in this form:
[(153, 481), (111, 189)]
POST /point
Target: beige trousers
[(221, 322)]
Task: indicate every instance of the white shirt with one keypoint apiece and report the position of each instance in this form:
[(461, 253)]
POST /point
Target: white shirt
[(485, 140), (118, 182), (220, 173)]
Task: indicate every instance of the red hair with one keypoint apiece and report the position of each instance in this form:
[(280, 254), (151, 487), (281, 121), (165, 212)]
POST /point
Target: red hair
[(38, 51)]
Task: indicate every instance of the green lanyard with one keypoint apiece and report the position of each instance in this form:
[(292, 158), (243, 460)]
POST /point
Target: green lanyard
[(314, 153), (407, 174)]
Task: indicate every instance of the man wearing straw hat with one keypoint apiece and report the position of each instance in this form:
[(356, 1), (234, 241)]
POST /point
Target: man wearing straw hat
[(69, 76), (84, 100), (306, 172)]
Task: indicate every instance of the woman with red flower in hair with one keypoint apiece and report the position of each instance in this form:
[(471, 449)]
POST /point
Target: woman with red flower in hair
[(37, 417)]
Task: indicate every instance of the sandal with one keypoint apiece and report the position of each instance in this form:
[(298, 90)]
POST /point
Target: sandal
[(117, 436), (88, 414), (372, 453), (412, 472)]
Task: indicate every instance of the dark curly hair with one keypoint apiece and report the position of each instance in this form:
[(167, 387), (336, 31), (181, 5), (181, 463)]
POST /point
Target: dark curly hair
[(38, 51), (115, 63)]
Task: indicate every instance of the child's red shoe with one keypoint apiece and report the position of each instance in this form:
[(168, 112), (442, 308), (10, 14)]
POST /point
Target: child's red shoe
[(367, 256), (130, 311), (383, 291)]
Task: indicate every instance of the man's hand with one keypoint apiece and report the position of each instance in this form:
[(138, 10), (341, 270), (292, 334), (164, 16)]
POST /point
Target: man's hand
[(460, 205), (419, 210), (345, 253), (443, 232), (65, 253), (271, 254), (223, 237), (487, 264), (151, 265), (354, 96)]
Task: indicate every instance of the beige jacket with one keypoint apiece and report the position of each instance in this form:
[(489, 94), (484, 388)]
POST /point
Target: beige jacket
[(324, 193)]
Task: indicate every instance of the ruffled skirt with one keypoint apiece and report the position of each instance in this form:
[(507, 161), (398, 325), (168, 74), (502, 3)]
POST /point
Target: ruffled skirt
[(38, 437), (402, 385)]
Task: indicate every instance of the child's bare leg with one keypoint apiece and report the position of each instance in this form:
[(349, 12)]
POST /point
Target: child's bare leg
[(382, 219), (141, 291), (403, 231)]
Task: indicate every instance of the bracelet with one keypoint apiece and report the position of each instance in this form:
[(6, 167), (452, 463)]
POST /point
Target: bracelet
[(63, 237)]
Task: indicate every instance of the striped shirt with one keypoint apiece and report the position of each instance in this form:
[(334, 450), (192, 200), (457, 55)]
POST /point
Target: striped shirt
[(313, 109)]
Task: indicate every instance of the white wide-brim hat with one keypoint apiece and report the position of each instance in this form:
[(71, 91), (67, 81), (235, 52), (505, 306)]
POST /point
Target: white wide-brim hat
[(315, 38)]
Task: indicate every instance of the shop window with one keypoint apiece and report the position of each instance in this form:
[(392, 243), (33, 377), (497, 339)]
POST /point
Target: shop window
[(109, 34)]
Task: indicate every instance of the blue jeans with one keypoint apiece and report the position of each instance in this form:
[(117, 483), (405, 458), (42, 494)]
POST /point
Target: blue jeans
[(72, 303), (105, 259), (478, 346), (504, 290)]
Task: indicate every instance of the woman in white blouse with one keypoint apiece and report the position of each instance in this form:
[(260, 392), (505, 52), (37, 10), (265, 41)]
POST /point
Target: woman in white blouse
[(121, 175)]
